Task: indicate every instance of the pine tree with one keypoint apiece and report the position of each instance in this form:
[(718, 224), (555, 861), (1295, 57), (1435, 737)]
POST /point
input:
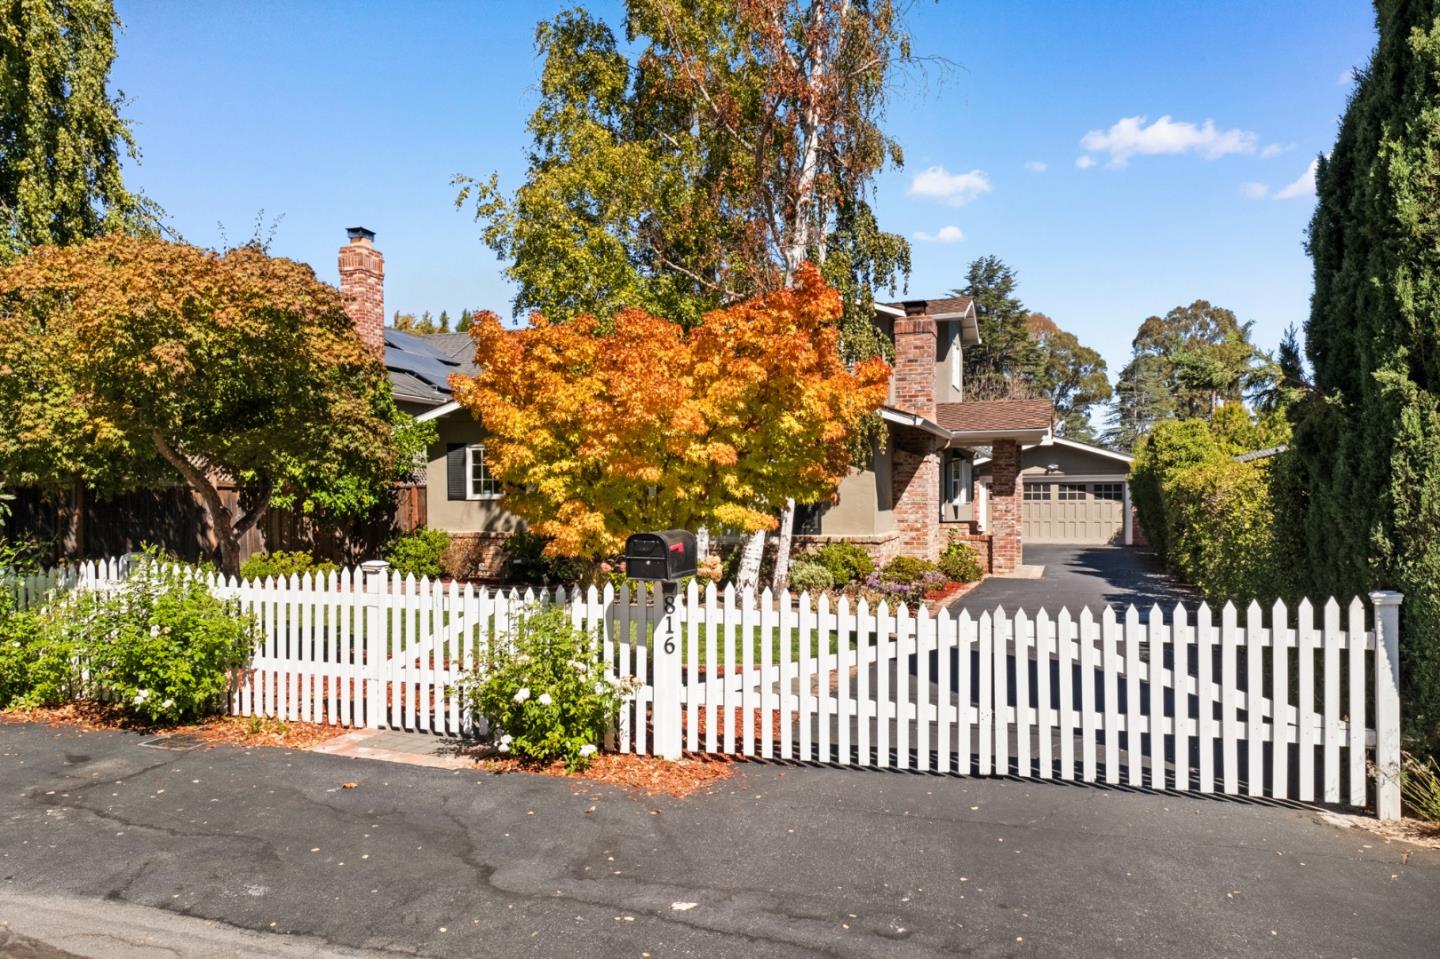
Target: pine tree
[(1363, 482), (62, 139), (466, 319)]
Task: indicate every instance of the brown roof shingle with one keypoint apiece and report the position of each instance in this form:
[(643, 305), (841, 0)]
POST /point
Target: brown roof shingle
[(982, 415), (933, 307)]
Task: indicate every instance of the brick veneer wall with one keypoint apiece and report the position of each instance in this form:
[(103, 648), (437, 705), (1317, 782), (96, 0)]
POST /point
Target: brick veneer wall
[(981, 543), (1005, 492), (362, 283), (475, 556), (916, 481)]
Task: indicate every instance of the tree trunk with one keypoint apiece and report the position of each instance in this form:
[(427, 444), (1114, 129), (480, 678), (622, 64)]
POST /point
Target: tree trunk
[(748, 575), (227, 530), (781, 578), (702, 543)]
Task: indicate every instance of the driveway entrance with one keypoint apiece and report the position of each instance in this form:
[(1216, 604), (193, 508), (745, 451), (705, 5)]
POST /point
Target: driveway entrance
[(1080, 576)]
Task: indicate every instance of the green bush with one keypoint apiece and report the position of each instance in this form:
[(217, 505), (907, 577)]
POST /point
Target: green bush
[(1221, 529), (845, 561), (908, 570), (18, 632), (1172, 446), (959, 563), (161, 648), (547, 696), (418, 553), (264, 565), (526, 562), (807, 575)]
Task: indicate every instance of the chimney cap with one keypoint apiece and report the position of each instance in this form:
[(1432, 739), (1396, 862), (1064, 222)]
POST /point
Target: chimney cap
[(916, 307), (359, 233)]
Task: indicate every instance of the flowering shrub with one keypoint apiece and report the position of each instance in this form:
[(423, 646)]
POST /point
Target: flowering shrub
[(161, 648), (959, 563), (904, 579), (547, 697)]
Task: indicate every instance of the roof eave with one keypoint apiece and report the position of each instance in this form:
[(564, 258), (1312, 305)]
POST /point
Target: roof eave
[(439, 411)]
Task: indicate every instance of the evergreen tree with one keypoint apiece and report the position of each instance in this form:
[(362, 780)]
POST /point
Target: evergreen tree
[(61, 135), (1005, 362), (444, 326), (466, 319), (1363, 481)]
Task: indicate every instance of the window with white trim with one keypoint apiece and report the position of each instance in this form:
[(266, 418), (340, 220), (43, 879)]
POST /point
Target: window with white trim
[(1071, 492), (1108, 491), (482, 483)]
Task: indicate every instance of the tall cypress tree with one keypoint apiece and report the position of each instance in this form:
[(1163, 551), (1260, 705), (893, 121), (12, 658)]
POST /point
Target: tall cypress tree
[(61, 135), (1363, 482)]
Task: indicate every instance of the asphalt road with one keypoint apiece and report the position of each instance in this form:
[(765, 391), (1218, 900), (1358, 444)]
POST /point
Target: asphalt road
[(1079, 576), (268, 847)]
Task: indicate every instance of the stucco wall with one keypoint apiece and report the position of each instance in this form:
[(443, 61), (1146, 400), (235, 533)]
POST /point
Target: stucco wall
[(485, 515), (863, 506)]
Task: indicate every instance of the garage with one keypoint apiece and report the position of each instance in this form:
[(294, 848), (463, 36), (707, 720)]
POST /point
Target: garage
[(1072, 493)]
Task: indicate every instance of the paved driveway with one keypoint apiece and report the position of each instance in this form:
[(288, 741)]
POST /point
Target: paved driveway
[(1080, 576)]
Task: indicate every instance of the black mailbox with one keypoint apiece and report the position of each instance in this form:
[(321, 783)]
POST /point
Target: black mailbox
[(666, 555)]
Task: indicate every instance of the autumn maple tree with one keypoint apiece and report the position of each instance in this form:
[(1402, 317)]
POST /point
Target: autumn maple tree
[(125, 360), (600, 429)]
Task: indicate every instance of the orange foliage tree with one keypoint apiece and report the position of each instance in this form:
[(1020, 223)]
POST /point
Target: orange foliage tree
[(600, 430)]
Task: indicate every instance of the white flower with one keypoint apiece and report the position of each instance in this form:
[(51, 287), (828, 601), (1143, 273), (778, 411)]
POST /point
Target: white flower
[(506, 739), (599, 689), (141, 696), (16, 644), (544, 699), (167, 704), (523, 694), (588, 749), (504, 747), (155, 630)]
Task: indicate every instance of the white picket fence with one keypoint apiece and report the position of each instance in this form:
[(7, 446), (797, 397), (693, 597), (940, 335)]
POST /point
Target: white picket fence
[(1303, 706)]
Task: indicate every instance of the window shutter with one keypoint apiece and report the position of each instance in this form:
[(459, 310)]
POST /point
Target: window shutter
[(455, 478)]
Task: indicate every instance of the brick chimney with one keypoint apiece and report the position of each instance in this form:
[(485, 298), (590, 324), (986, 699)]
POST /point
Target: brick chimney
[(362, 284), (914, 374), (915, 465)]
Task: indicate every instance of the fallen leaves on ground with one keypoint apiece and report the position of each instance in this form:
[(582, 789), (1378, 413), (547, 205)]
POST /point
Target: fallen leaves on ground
[(679, 779), (220, 730)]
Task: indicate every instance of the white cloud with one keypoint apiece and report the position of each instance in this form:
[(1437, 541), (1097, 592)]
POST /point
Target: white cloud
[(1254, 190), (1084, 162), (1131, 136), (1037, 166), (1304, 186), (957, 189), (947, 234), (1275, 149)]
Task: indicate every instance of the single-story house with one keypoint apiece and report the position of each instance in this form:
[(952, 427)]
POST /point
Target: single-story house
[(946, 467)]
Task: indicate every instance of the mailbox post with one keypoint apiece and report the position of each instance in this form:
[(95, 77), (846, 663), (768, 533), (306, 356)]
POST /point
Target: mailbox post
[(664, 557)]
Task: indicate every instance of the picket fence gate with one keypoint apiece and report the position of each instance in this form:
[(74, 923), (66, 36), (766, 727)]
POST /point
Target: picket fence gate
[(1302, 707)]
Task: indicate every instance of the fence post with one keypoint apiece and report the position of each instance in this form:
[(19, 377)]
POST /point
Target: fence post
[(1387, 703), (376, 650), (665, 710)]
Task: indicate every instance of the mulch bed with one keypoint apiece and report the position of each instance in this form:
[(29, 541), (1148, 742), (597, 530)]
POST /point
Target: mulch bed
[(219, 731), (647, 773)]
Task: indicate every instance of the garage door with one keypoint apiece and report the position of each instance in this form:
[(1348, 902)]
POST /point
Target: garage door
[(1054, 511)]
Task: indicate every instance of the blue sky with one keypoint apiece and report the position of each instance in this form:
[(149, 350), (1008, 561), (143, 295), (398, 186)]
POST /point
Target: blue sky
[(332, 114)]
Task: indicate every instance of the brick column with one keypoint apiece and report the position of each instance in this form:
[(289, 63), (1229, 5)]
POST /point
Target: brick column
[(915, 479), (1005, 492), (362, 284)]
